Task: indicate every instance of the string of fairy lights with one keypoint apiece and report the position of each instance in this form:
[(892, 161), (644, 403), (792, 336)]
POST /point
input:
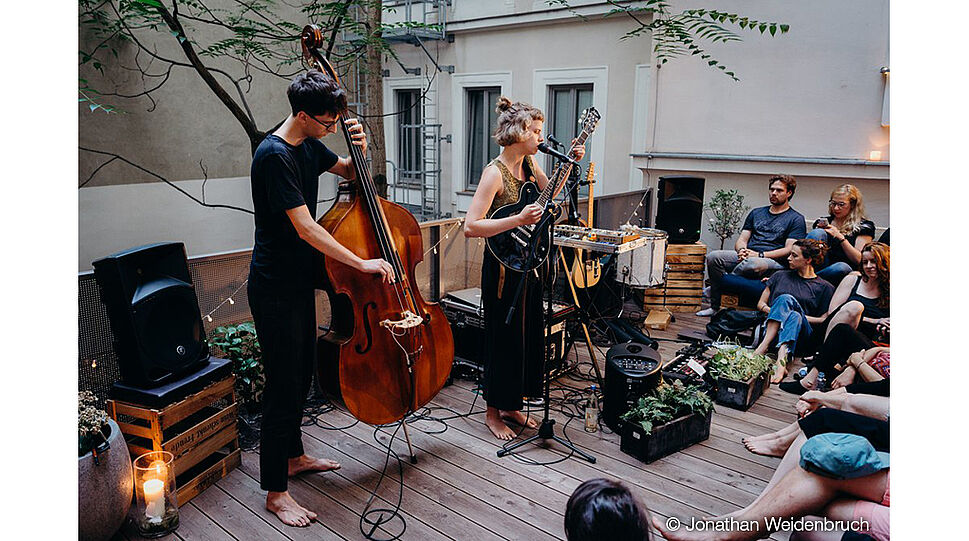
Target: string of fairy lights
[(229, 300)]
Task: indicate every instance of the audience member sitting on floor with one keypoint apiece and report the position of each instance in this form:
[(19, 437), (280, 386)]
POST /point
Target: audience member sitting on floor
[(834, 411), (870, 365), (838, 476), (605, 509), (842, 342), (793, 300), (862, 300), (846, 230), (764, 242)]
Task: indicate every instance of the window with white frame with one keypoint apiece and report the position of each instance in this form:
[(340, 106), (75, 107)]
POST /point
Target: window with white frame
[(565, 105), (480, 122), (409, 152)]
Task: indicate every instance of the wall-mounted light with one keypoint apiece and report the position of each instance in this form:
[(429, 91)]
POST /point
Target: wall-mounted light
[(875, 155)]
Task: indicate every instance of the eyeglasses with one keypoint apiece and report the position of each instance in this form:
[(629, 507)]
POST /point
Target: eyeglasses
[(837, 204), (327, 125)]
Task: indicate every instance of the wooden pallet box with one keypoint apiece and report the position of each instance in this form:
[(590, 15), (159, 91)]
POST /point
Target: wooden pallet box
[(199, 430), (665, 439), (742, 394), (683, 290)]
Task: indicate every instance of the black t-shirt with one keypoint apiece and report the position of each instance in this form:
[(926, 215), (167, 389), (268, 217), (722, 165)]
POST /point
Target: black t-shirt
[(771, 231), (285, 177), (837, 252), (813, 294)]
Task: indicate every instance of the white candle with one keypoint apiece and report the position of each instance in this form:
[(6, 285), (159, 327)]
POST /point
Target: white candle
[(154, 498)]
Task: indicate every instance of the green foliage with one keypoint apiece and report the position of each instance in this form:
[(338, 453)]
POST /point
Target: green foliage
[(92, 423), (680, 34), (668, 402), (727, 209), (240, 344), (739, 364)]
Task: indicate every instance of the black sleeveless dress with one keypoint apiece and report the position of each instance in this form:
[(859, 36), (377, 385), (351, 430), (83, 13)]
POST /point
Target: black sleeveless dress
[(513, 354)]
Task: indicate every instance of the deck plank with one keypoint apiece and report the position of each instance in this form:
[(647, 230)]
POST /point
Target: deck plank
[(460, 490)]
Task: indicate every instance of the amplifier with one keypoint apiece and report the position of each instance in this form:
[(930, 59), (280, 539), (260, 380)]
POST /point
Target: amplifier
[(464, 311), (632, 370)]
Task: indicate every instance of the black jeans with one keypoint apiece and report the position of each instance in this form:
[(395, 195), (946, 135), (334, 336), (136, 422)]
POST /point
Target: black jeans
[(842, 341), (826, 420), (286, 327)]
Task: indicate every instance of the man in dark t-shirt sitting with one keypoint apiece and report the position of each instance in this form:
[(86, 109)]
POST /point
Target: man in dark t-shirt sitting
[(764, 243), (285, 182)]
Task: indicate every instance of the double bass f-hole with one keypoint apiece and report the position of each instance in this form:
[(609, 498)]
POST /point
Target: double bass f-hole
[(366, 327)]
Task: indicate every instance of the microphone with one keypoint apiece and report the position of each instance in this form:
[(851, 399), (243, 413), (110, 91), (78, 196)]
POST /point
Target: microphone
[(555, 142), (556, 154)]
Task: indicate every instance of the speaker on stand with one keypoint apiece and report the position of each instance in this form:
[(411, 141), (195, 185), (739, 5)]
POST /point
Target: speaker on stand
[(154, 314), (679, 209)]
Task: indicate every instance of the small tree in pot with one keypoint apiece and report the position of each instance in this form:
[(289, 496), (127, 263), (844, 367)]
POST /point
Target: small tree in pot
[(104, 472), (727, 209)]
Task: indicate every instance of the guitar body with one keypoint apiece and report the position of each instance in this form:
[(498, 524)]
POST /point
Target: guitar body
[(523, 248), (586, 267)]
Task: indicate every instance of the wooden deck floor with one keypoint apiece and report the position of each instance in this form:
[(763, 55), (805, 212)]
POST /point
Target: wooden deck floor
[(461, 490)]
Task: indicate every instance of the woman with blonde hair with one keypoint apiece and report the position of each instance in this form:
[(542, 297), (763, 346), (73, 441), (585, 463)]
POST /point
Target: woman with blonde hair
[(513, 353), (846, 230)]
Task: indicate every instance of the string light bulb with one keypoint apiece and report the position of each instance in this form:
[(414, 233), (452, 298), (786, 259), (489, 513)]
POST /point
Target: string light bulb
[(231, 301)]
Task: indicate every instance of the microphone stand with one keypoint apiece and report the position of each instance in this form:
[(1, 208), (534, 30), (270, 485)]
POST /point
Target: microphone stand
[(546, 430)]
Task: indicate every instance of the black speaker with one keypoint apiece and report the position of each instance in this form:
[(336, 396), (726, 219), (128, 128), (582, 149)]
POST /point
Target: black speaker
[(154, 313), (632, 370), (680, 208)]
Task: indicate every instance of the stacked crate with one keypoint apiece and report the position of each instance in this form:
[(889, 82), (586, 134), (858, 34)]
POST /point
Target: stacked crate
[(683, 290), (200, 431)]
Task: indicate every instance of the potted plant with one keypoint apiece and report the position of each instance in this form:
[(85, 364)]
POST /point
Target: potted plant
[(727, 209), (103, 472), (240, 344), (670, 419), (742, 375)]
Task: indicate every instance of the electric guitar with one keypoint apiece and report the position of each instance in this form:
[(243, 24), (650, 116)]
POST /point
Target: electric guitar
[(525, 247), (586, 268)]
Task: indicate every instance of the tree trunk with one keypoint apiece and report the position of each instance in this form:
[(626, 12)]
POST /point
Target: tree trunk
[(373, 82)]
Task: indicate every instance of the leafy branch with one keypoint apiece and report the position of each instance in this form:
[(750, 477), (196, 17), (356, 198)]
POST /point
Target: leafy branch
[(683, 33)]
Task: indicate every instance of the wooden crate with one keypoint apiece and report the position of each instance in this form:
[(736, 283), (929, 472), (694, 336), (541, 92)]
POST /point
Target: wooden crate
[(202, 436), (683, 290)]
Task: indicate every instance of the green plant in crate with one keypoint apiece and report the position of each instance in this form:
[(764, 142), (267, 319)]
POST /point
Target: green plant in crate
[(668, 402), (737, 363), (240, 344)]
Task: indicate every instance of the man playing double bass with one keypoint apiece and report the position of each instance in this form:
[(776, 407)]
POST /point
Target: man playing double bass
[(285, 182)]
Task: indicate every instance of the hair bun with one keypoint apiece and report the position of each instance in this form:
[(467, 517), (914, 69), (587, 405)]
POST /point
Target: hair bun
[(503, 105)]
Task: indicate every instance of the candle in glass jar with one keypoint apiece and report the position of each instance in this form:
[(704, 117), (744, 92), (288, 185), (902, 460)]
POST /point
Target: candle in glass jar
[(154, 498)]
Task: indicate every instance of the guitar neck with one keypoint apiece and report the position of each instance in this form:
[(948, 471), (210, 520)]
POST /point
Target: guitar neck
[(561, 173)]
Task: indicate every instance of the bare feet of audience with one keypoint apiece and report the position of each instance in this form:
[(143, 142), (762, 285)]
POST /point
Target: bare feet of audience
[(773, 444)]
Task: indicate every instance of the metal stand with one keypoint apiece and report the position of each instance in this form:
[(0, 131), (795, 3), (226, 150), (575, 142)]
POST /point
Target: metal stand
[(546, 429), (583, 320)]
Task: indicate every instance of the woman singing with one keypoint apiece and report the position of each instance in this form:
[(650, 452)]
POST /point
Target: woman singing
[(513, 353)]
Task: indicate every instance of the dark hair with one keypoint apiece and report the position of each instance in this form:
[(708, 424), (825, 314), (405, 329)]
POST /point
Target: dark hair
[(813, 250), (604, 509), (315, 93), (789, 182)]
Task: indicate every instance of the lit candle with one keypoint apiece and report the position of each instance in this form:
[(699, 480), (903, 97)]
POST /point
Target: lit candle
[(154, 498), (875, 155)]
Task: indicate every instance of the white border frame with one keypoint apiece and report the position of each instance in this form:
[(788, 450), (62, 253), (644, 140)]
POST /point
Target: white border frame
[(599, 77)]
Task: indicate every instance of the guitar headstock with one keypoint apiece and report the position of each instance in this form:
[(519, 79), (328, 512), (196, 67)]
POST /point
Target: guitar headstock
[(589, 119)]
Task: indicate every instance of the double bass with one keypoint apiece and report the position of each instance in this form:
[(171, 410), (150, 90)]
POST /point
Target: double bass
[(387, 352)]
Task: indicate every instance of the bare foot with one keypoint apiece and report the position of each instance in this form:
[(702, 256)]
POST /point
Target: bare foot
[(497, 426), (780, 372), (308, 463), (519, 419), (288, 511)]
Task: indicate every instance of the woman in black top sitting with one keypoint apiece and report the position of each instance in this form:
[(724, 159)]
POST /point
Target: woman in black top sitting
[(793, 300), (862, 299), (846, 230)]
